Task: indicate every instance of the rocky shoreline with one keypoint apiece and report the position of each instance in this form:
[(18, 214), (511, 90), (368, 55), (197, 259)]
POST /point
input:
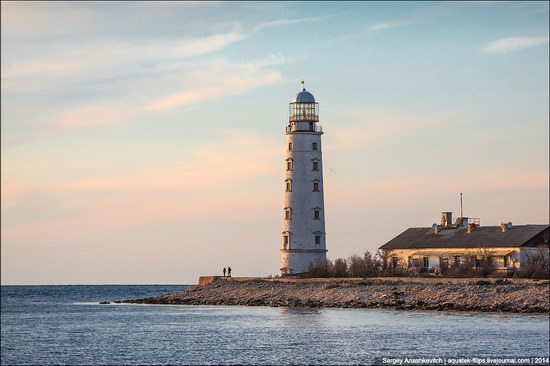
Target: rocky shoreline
[(502, 296)]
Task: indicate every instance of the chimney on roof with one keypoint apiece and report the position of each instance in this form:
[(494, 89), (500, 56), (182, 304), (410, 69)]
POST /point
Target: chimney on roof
[(471, 228), (446, 218)]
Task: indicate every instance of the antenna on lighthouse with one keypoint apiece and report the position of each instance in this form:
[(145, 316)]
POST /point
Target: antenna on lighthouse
[(303, 84)]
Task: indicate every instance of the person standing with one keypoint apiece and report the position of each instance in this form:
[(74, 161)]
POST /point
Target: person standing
[(228, 271), (224, 271)]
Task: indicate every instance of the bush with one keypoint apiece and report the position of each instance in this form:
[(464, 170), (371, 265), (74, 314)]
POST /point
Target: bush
[(366, 266), (483, 283), (486, 266), (321, 268), (356, 266), (464, 269), (535, 267), (339, 268)]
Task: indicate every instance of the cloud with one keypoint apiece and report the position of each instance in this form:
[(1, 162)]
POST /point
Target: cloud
[(204, 83), (215, 181), (389, 24), (92, 80), (234, 85), (291, 21), (511, 44), (12, 192), (383, 126)]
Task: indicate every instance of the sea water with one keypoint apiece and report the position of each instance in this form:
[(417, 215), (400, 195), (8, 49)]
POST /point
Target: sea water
[(67, 325)]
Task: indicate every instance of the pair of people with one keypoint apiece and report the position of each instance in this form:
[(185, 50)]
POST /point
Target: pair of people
[(228, 271)]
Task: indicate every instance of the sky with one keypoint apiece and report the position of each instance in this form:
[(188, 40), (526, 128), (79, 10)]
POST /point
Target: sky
[(144, 142)]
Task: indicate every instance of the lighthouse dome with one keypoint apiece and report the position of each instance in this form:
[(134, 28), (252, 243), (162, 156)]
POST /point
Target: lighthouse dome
[(304, 97)]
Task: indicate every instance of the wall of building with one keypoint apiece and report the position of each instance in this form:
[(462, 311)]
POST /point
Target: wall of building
[(302, 227), (434, 255)]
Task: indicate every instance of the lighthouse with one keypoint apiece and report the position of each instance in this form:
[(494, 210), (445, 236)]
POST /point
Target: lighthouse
[(304, 241)]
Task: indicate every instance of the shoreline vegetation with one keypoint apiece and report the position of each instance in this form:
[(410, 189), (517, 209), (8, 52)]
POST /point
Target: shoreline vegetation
[(403, 293)]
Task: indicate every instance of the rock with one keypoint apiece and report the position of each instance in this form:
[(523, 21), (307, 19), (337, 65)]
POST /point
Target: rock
[(481, 296), (105, 302)]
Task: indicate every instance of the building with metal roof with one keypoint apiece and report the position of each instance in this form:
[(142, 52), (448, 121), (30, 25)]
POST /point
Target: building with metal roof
[(450, 244)]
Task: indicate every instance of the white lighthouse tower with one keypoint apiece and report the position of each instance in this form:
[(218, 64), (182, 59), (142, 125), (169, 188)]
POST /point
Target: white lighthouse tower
[(304, 212)]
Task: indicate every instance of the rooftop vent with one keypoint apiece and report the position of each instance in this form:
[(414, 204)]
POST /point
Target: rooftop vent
[(505, 227), (471, 228), (461, 221)]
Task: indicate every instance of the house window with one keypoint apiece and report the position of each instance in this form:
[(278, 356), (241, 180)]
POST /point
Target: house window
[(315, 186), (290, 145), (478, 261), (409, 262), (444, 262), (394, 262), (425, 262), (315, 165), (316, 214), (314, 146), (289, 185), (456, 260), (289, 164), (288, 213), (317, 239)]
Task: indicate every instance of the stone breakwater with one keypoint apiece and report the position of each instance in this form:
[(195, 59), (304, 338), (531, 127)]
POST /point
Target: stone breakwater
[(481, 296)]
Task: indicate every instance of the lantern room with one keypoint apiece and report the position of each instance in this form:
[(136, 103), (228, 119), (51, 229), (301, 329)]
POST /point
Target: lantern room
[(304, 108)]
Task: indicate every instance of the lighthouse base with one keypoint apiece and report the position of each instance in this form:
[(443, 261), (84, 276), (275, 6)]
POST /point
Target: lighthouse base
[(297, 261)]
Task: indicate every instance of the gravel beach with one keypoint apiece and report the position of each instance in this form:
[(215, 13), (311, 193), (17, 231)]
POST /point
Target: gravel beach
[(481, 295)]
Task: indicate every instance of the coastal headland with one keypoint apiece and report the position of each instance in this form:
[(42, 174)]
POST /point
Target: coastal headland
[(489, 295)]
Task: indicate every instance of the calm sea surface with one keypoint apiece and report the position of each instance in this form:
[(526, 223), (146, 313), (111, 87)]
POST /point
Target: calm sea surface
[(66, 325)]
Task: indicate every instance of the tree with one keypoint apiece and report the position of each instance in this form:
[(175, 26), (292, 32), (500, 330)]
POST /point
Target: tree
[(486, 265), (535, 265), (321, 268), (339, 268), (384, 258), (372, 264), (356, 266)]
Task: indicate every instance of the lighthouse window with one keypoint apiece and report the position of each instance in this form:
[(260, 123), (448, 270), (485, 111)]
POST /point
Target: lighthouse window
[(315, 187), (289, 185), (289, 164), (314, 146), (286, 242), (290, 145), (315, 165), (288, 213), (316, 215), (317, 239)]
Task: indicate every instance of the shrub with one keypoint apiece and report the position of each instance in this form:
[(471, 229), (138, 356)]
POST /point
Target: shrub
[(321, 268), (366, 266), (464, 269), (485, 266), (339, 268), (483, 283), (534, 266), (356, 266)]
